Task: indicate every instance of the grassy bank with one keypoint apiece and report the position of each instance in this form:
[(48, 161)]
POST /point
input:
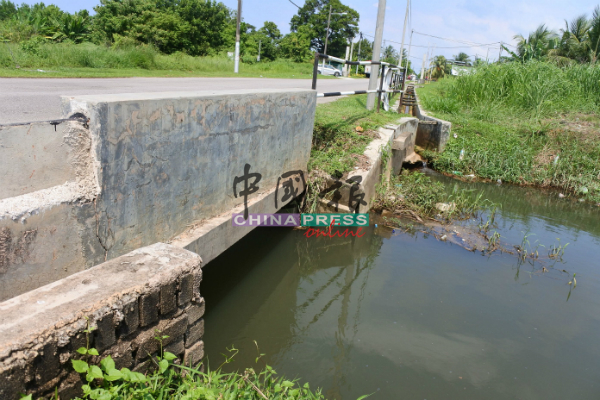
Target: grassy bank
[(90, 60), (342, 131), (529, 124)]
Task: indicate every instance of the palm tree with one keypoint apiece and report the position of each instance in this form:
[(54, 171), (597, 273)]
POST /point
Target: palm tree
[(390, 55), (537, 44), (439, 65), (574, 43), (594, 34), (463, 57)]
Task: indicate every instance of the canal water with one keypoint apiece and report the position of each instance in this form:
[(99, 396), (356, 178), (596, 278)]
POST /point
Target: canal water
[(405, 316)]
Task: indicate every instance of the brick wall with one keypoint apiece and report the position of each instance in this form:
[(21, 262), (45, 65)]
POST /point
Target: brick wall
[(126, 299)]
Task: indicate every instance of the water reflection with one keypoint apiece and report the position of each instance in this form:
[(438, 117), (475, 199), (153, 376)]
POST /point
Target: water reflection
[(407, 316)]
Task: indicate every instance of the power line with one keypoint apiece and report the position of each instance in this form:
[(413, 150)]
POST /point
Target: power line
[(455, 47), (294, 4), (473, 44), (444, 47)]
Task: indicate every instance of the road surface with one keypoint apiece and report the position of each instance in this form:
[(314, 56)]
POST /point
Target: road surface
[(23, 100)]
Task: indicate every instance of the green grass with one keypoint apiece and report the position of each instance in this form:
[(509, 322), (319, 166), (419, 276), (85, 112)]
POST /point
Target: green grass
[(336, 142), (507, 132), (416, 195), (90, 60), (167, 378)]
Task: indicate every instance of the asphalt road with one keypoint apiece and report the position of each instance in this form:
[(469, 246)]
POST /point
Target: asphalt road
[(23, 100)]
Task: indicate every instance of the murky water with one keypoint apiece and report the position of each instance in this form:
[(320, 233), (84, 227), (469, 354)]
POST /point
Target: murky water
[(404, 316)]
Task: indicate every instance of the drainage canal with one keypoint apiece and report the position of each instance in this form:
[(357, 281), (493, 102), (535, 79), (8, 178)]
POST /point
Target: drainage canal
[(403, 315)]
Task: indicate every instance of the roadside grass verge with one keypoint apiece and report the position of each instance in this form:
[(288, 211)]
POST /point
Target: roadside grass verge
[(553, 143), (342, 131), (90, 60)]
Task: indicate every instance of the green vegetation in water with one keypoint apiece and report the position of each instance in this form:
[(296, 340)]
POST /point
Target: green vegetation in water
[(528, 123), (415, 195), (342, 131)]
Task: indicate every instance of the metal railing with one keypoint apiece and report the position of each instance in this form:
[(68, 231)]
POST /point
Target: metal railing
[(395, 85)]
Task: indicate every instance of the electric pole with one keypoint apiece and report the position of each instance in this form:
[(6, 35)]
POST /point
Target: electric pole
[(376, 50), (409, 46), (405, 71), (422, 77), (358, 54), (500, 55), (236, 68), (327, 34), (348, 69), (432, 56), (403, 34), (259, 43)]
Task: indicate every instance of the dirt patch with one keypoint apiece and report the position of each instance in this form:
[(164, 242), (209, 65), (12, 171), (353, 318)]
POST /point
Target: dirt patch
[(583, 126), (361, 161), (545, 157), (369, 133)]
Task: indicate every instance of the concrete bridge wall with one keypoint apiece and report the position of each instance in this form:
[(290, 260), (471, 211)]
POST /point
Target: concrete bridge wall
[(144, 169), (127, 301)]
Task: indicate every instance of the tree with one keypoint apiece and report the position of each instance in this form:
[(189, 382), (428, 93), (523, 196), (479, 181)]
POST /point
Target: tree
[(536, 45), (296, 45), (463, 57), (271, 30), (390, 55), (207, 20), (313, 17), (479, 62), (440, 67), (269, 36), (366, 50), (594, 34), (7, 10), (75, 28), (197, 27)]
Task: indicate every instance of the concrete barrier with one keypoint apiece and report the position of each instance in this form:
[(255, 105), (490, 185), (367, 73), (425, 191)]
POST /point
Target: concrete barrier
[(127, 300), (433, 133), (384, 156), (143, 169), (35, 157)]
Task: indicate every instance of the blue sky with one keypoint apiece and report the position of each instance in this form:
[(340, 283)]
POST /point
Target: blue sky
[(469, 20)]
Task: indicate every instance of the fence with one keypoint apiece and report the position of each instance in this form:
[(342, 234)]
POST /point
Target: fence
[(392, 84)]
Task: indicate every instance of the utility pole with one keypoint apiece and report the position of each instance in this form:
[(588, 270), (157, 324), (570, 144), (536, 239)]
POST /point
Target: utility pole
[(376, 50), (409, 47), (345, 71), (403, 34), (405, 76), (428, 62), (236, 68), (431, 60), (358, 55), (487, 56), (327, 34), (422, 77), (500, 55), (259, 43), (348, 69)]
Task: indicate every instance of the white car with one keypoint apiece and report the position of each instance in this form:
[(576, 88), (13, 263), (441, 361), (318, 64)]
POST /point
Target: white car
[(329, 70)]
